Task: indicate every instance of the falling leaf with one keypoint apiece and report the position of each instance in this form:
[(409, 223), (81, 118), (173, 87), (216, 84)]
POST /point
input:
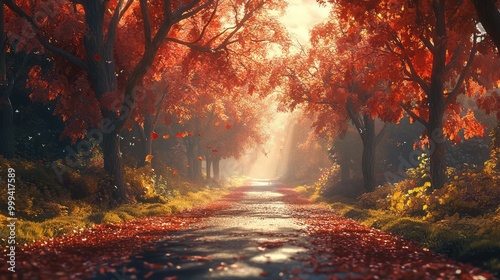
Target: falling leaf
[(215, 151), (216, 124), (179, 134), (97, 57), (154, 135), (175, 172), (166, 136), (147, 275), (228, 126), (191, 134), (149, 158)]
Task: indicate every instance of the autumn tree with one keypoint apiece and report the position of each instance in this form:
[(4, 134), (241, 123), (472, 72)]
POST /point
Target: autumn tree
[(426, 51), (83, 37), (335, 80)]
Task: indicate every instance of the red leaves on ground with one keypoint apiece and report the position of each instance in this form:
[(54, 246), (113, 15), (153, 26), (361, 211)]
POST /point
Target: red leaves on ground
[(82, 254)]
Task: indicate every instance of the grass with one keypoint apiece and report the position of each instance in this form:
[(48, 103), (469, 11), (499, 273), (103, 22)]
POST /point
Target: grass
[(472, 240), (85, 216)]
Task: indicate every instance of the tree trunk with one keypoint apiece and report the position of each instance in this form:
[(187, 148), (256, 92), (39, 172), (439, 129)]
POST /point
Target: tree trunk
[(208, 167), (489, 16), (198, 174), (113, 164), (216, 168), (345, 166), (146, 142), (437, 104), (7, 141), (190, 158), (368, 157), (437, 143)]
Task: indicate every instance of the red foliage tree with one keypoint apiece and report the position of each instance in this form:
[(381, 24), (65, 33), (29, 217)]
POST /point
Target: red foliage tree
[(332, 81), (97, 76), (426, 51)]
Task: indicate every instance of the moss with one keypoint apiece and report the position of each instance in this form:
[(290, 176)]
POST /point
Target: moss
[(447, 241), (111, 218), (356, 214), (479, 252), (410, 229)]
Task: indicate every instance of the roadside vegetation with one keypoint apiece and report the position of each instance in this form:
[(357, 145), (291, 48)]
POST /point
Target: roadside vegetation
[(47, 207), (461, 220)]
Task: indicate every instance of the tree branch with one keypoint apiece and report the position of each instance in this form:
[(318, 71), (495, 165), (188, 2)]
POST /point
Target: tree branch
[(415, 116), (454, 58), (355, 119), (73, 59), (147, 22), (456, 90), (489, 16)]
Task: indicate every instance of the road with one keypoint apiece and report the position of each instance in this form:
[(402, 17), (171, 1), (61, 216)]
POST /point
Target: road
[(255, 238), (263, 230)]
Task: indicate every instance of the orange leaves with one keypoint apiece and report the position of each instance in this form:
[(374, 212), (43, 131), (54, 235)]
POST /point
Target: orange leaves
[(472, 127), (182, 134), (149, 158)]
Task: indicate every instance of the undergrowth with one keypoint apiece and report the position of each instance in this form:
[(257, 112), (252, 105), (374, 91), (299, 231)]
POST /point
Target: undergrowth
[(48, 207), (461, 220)]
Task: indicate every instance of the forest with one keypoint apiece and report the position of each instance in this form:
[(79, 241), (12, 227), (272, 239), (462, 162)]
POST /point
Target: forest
[(115, 113)]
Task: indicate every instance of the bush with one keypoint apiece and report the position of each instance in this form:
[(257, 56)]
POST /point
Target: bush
[(376, 199)]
